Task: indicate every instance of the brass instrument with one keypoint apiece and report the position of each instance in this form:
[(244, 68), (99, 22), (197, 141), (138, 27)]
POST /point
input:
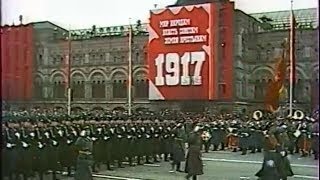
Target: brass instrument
[(257, 115), (298, 115), (205, 136)]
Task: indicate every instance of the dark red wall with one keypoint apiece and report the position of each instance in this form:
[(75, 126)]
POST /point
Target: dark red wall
[(16, 62)]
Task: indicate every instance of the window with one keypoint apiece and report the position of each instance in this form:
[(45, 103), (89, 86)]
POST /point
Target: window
[(137, 57), (78, 89), (59, 89), (40, 60), (37, 90), (119, 89), (141, 88), (307, 52), (98, 89)]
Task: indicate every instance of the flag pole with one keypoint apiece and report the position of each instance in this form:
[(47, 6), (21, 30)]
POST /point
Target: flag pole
[(292, 64), (69, 73), (130, 70)]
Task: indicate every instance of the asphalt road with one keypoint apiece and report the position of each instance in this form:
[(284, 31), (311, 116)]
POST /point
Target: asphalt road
[(220, 165)]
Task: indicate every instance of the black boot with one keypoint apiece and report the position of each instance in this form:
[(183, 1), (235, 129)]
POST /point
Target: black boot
[(69, 171), (244, 151), (178, 167), (155, 159), (259, 150), (120, 164), (215, 147), (222, 146), (147, 160), (139, 160), (166, 157), (108, 166), (54, 175)]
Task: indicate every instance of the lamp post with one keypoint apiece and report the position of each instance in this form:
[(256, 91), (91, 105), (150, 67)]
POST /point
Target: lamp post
[(130, 70), (69, 74), (68, 70)]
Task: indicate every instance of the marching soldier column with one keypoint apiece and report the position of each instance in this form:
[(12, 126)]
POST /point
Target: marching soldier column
[(55, 143)]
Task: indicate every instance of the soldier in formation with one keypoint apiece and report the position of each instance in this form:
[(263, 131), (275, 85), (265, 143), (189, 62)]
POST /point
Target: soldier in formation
[(49, 142)]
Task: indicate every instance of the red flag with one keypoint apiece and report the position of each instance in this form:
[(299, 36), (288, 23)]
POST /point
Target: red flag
[(276, 87)]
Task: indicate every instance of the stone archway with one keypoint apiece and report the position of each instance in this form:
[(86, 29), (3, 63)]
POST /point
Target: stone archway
[(141, 84), (119, 84), (260, 78), (38, 87), (98, 84), (78, 85), (59, 85)]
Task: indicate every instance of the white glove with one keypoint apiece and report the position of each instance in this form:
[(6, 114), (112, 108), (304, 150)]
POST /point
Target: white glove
[(94, 139), (54, 143), (106, 138), (9, 145), (68, 141), (24, 144), (40, 146)]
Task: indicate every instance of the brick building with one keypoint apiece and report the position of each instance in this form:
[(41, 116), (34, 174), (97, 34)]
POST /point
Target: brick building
[(99, 64)]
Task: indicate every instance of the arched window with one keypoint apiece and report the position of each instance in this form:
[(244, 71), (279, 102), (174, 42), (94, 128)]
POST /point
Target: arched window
[(78, 89), (119, 89), (59, 89), (98, 89), (78, 85), (98, 85), (119, 84), (141, 85), (37, 88)]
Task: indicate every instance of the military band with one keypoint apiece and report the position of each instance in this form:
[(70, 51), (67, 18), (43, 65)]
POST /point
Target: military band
[(79, 144)]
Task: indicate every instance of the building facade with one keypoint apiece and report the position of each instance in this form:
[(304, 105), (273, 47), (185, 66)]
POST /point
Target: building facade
[(99, 64)]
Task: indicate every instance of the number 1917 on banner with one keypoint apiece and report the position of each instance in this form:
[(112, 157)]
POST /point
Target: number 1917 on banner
[(178, 69)]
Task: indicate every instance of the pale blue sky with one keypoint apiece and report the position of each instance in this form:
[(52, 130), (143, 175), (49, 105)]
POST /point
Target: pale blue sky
[(85, 13)]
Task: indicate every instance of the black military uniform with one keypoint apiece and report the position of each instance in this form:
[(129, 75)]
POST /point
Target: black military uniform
[(84, 145), (244, 139)]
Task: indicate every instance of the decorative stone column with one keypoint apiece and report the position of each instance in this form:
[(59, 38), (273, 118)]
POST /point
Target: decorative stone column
[(109, 90), (86, 58), (45, 56), (87, 90), (48, 90)]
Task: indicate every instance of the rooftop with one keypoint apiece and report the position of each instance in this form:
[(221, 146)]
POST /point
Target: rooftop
[(305, 18)]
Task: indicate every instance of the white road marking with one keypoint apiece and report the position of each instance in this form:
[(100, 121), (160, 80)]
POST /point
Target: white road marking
[(254, 162), (152, 165), (305, 177), (114, 177)]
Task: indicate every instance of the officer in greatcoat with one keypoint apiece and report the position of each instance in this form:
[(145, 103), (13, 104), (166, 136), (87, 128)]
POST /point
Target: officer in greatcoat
[(194, 166), (84, 146), (276, 165)]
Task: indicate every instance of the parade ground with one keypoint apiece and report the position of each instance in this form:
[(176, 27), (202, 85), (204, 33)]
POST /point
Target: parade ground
[(218, 165)]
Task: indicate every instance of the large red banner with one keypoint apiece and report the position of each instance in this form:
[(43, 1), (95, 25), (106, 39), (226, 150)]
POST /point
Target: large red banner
[(16, 61), (180, 53)]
